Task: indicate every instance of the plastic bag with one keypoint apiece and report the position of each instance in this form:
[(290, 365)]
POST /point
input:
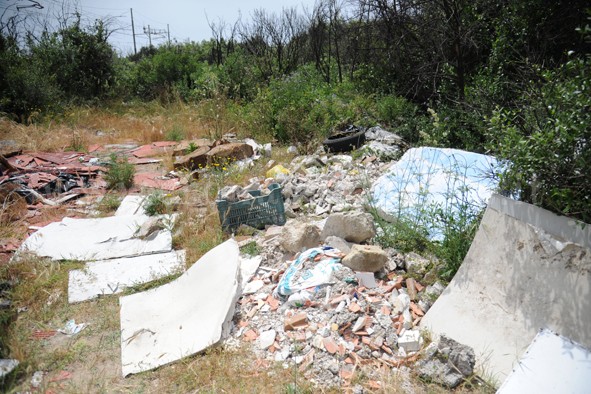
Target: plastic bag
[(312, 268)]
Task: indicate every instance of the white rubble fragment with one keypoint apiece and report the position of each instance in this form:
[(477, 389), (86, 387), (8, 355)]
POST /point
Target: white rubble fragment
[(410, 341), (112, 276), (253, 287), (266, 339), (182, 317)]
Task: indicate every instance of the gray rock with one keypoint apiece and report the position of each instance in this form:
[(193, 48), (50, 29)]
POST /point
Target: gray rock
[(298, 235), (230, 193), (351, 226), (338, 243), (460, 356), (434, 290), (449, 365), (416, 264), (365, 258)]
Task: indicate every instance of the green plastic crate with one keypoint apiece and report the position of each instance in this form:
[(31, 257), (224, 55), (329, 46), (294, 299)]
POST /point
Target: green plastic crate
[(256, 212)]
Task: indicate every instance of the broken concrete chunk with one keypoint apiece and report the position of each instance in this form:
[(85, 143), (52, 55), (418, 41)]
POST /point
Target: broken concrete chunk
[(416, 264), (351, 226), (338, 243), (253, 287), (226, 153), (296, 321), (298, 235), (368, 258), (359, 324), (450, 364), (410, 341), (266, 339), (366, 279), (182, 317), (193, 161), (230, 193)]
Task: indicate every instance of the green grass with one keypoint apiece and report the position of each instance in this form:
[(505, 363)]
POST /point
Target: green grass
[(120, 173)]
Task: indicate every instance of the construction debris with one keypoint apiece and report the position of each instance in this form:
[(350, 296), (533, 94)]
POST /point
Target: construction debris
[(315, 312), (182, 317), (551, 364), (432, 178), (107, 277), (447, 363), (529, 269)]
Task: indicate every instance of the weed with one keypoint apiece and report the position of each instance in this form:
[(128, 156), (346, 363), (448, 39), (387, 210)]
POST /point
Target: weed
[(155, 204), (120, 173), (251, 249), (175, 134), (151, 285), (191, 148), (109, 203)]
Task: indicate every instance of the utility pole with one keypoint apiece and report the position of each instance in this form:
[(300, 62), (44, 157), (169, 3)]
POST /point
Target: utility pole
[(158, 33), (133, 32), (168, 31)]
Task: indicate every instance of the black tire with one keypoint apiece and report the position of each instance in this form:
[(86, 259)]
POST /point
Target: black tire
[(344, 142)]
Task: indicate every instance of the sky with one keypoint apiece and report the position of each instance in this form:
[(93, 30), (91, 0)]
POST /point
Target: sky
[(186, 19)]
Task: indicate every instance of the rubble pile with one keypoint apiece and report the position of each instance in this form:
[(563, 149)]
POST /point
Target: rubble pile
[(321, 184), (313, 311)]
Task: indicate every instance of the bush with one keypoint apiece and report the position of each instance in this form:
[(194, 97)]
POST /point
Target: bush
[(120, 173), (302, 107), (548, 141), (402, 116), (155, 204)]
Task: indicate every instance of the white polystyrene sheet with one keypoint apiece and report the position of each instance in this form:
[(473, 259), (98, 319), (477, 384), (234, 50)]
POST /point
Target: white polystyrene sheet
[(551, 364), (423, 178), (113, 276), (96, 239), (248, 267), (182, 317)]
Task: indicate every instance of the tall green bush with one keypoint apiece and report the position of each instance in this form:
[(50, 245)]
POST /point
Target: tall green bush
[(548, 141)]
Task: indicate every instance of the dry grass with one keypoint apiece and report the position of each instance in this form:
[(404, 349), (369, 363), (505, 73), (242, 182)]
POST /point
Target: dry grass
[(80, 127)]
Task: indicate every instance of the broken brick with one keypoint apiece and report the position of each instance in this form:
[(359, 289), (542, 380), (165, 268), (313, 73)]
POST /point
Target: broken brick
[(296, 321), (419, 286), (250, 335), (330, 345), (354, 307), (416, 310), (411, 289)]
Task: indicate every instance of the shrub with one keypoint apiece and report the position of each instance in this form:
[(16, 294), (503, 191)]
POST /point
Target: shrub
[(155, 204), (109, 203), (548, 141), (120, 173)]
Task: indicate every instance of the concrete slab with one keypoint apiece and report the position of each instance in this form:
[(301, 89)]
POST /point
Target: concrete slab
[(551, 364), (182, 317), (96, 239), (107, 277), (526, 269)]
